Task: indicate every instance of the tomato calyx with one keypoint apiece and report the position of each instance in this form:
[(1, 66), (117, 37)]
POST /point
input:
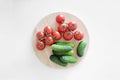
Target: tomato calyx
[(67, 33), (63, 26)]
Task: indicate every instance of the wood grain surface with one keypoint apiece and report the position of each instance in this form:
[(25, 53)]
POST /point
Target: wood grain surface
[(50, 21)]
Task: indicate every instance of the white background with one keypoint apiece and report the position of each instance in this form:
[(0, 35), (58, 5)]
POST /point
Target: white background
[(18, 19)]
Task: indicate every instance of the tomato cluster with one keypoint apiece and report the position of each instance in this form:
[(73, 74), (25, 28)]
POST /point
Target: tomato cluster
[(67, 29), (49, 36)]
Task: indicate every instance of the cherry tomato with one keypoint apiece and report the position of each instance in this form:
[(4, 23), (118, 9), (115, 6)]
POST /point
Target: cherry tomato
[(62, 27), (48, 30), (40, 35), (40, 45), (68, 35), (49, 41), (56, 35), (78, 35), (72, 25), (60, 19)]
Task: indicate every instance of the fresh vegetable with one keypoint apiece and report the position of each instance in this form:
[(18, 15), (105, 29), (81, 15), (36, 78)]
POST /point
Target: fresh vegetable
[(62, 27), (60, 19), (48, 30), (72, 25), (68, 35), (81, 48), (40, 45), (56, 35), (61, 48), (68, 59), (49, 41), (56, 60), (66, 44), (40, 35), (64, 49), (78, 35), (69, 53)]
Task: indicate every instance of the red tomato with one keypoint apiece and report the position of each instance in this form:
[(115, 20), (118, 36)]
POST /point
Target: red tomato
[(78, 35), (40, 45), (48, 30), (56, 35), (62, 27), (68, 35), (60, 19), (40, 35), (49, 41), (72, 25)]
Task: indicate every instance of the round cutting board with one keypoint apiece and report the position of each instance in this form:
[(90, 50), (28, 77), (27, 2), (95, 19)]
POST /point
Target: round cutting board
[(50, 20)]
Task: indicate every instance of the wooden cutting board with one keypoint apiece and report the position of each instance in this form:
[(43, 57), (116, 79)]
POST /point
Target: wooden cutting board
[(50, 20)]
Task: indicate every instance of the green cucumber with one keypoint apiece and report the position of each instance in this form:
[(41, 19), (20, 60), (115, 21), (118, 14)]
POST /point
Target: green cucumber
[(61, 48), (69, 53), (81, 48), (66, 44), (68, 59), (56, 60)]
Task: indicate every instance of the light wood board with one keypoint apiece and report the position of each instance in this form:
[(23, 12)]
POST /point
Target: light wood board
[(50, 21)]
